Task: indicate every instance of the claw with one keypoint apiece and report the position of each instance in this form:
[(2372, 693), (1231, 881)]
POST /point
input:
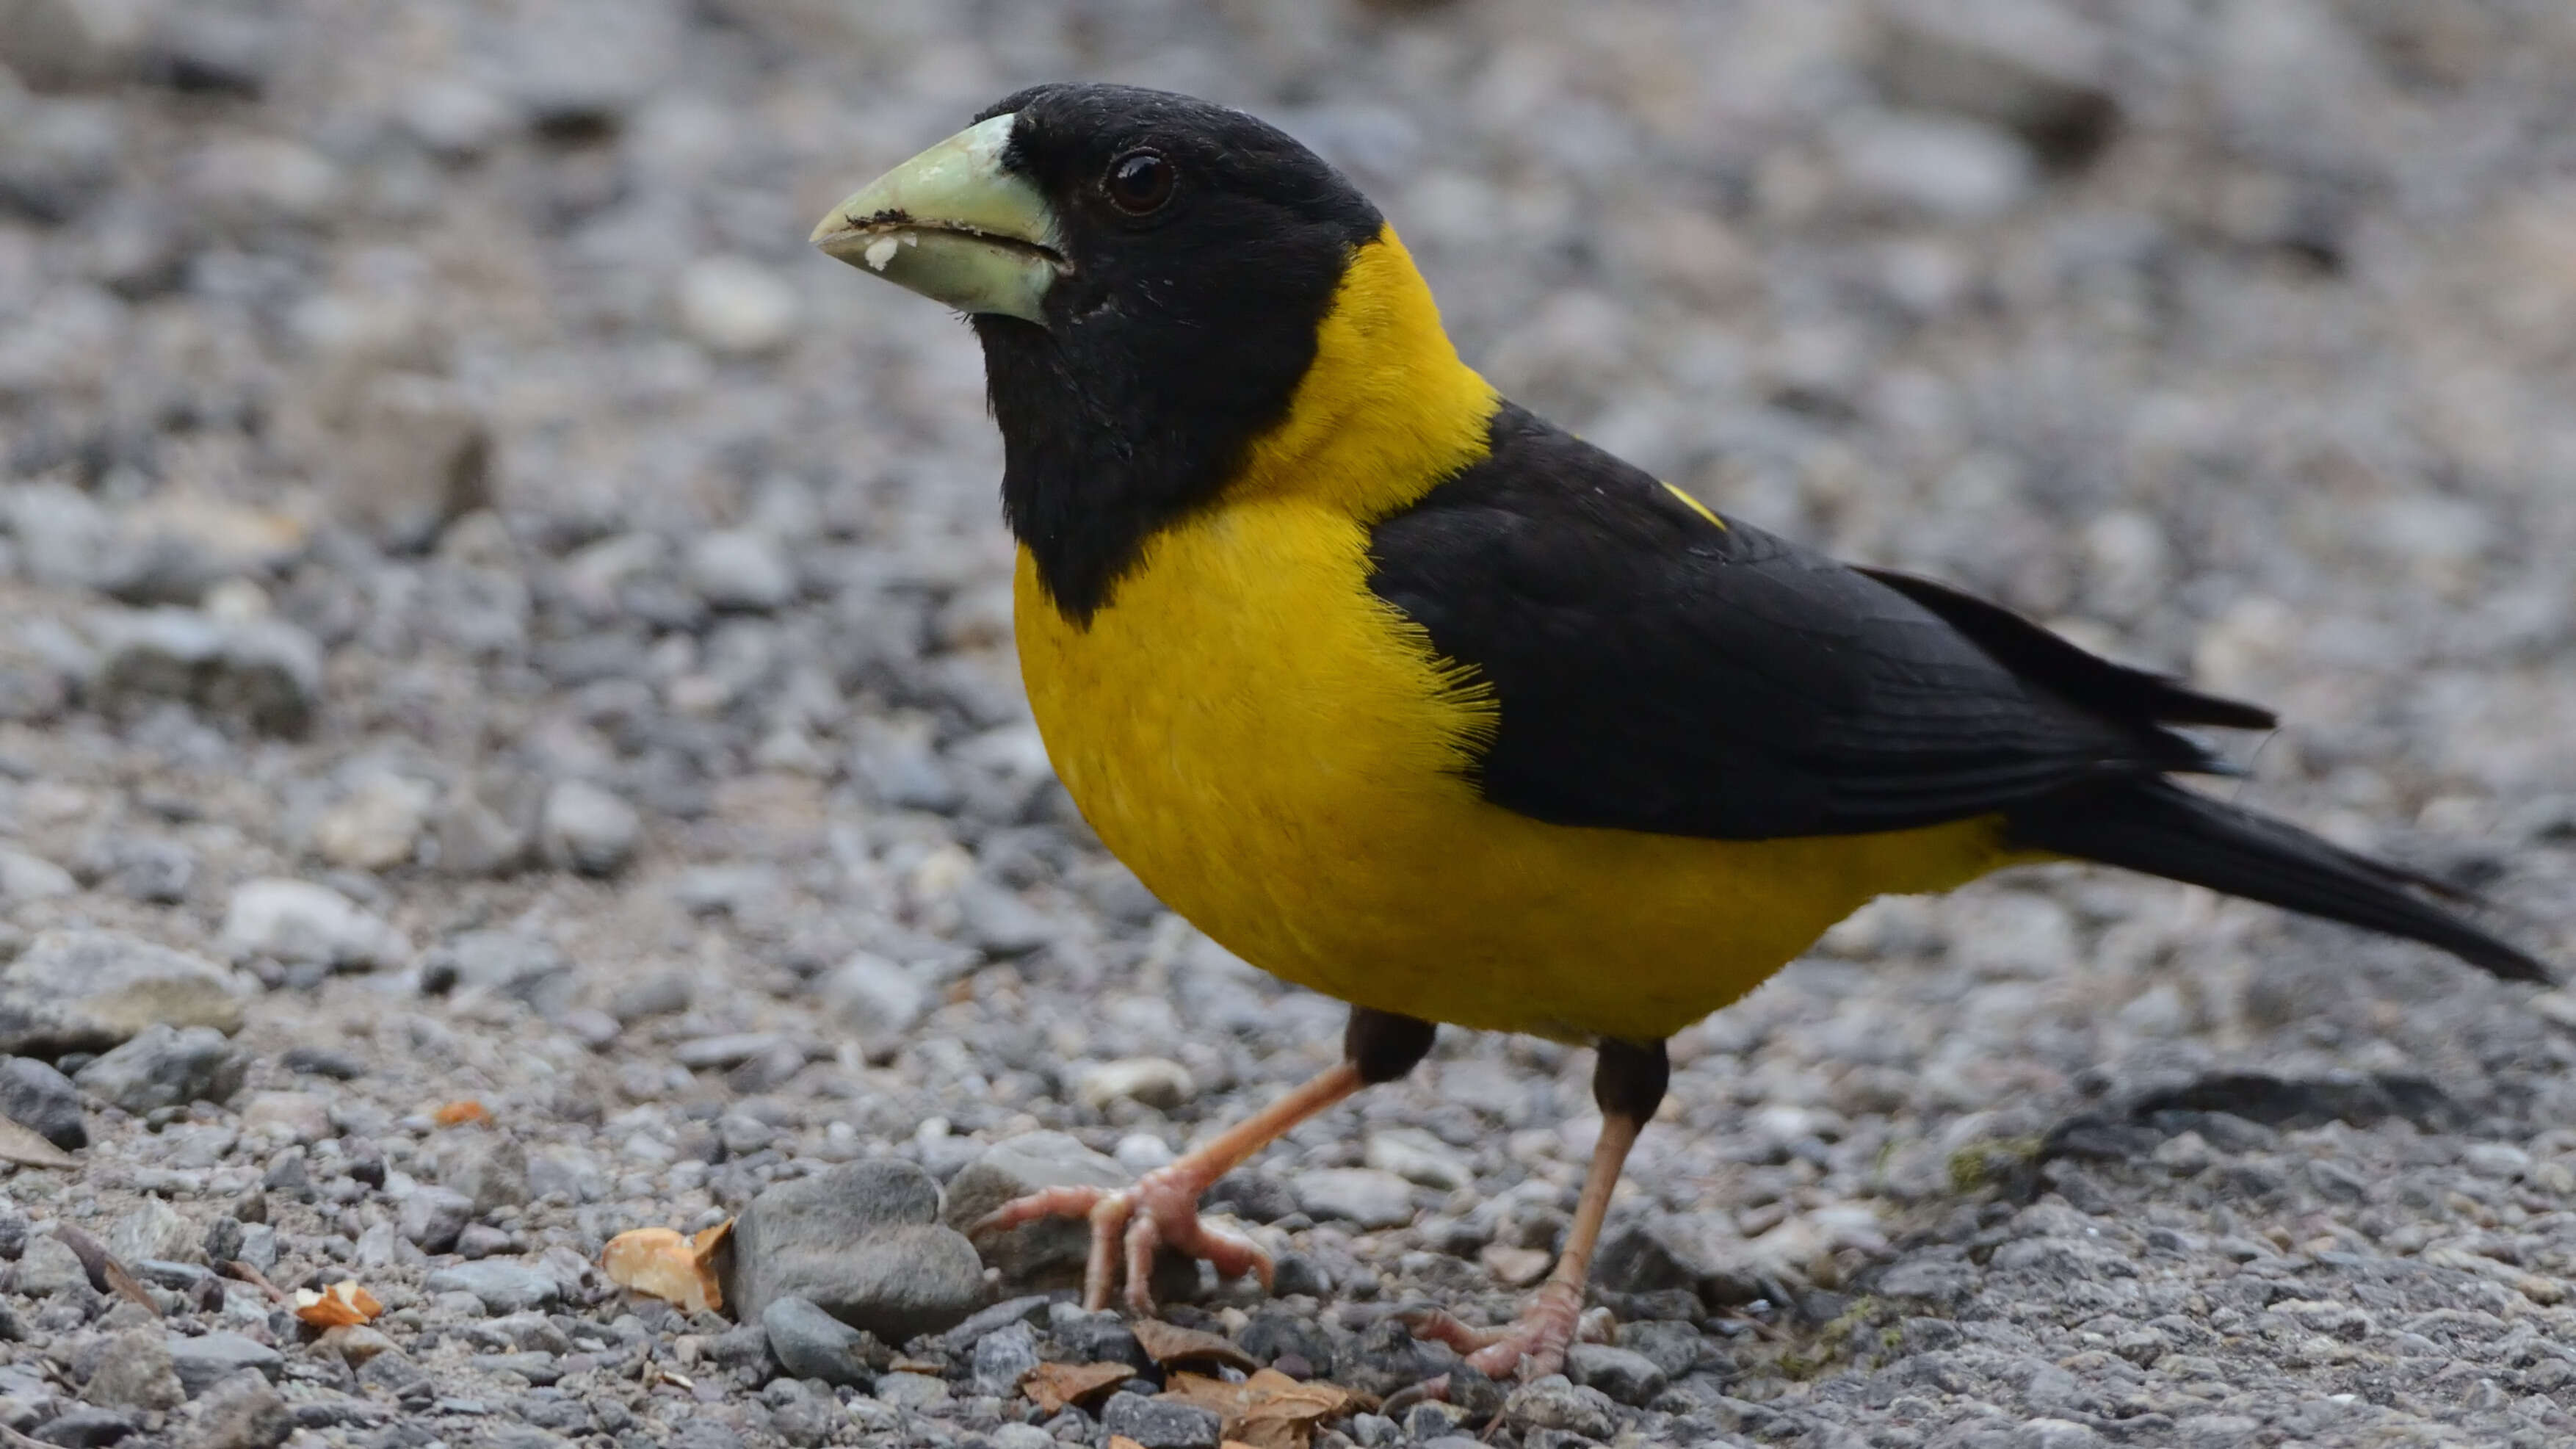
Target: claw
[(1128, 1227), (1053, 1202), (1532, 1347)]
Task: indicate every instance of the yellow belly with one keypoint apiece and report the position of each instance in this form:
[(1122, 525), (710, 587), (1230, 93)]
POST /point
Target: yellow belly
[(1273, 751)]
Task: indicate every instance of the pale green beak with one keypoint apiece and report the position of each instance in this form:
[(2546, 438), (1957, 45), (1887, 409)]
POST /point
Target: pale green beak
[(956, 227)]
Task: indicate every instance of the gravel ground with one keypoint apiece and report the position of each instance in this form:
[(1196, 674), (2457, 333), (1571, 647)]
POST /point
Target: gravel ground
[(486, 615)]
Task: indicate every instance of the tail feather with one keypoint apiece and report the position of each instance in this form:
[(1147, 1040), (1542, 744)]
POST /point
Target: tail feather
[(2162, 829)]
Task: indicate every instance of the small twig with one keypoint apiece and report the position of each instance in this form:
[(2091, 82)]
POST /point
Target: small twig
[(242, 1272), (105, 1272)]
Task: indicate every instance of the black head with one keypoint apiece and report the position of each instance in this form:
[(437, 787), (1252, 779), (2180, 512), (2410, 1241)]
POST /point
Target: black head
[(1201, 250)]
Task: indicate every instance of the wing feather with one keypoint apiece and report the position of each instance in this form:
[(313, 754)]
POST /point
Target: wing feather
[(1656, 670)]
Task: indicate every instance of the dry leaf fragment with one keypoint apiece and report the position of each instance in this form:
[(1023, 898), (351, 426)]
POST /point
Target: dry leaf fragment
[(666, 1265), (706, 1241), (1054, 1385), (460, 1112), (1205, 1392), (1275, 1395), (1282, 1413), (29, 1149), (1269, 1410), (342, 1305), (1169, 1343), (1121, 1441)]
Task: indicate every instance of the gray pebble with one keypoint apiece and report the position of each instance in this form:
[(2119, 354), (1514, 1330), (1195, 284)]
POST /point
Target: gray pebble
[(416, 458), (1079, 1337), (487, 1168), (811, 1344), (875, 999), (1159, 1424), (148, 868), (432, 1217), (534, 1367), (1156, 1082), (1362, 1195), (903, 772), (297, 922), (807, 1420), (1675, 1348), (166, 1067), (204, 1360), (522, 1436), (1417, 1156), (48, 1267), (478, 1240), (587, 828), (393, 1372), (911, 1391), (502, 1286), (35, 1096), (322, 1062), (1002, 924), (1004, 1357), (242, 1412), (25, 877), (1430, 1422), (1296, 1274), (745, 1350), (474, 838), (153, 1229), (1034, 1309), (265, 673), (514, 964), (860, 1242), (134, 1372), (88, 990), (87, 1426), (740, 569), (1556, 1403), (1631, 1378)]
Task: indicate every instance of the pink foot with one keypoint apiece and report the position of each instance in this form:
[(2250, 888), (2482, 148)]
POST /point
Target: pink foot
[(1532, 1347), (1160, 1211)]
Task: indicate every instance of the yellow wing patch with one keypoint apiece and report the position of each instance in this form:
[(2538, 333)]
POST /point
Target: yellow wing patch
[(1693, 504)]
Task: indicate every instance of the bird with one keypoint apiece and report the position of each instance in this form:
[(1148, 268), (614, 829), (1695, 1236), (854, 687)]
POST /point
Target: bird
[(1408, 696)]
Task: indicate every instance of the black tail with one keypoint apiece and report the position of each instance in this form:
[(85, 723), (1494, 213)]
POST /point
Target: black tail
[(2165, 830)]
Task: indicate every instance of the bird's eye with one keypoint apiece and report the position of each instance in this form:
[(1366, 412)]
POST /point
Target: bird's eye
[(1139, 182)]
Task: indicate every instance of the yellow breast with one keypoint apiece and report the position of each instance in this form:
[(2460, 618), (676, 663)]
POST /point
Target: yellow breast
[(1277, 753)]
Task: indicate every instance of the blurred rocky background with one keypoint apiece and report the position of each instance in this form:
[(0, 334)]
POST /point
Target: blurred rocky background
[(487, 616)]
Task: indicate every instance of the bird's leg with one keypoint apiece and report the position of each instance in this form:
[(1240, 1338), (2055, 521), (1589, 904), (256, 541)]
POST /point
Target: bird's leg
[(1162, 1209), (1628, 1081)]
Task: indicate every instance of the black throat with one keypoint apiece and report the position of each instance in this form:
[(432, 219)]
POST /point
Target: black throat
[(1102, 453), (1112, 433)]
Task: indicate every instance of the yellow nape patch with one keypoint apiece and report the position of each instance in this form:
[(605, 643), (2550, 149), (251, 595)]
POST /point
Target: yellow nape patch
[(1693, 504), (1386, 411)]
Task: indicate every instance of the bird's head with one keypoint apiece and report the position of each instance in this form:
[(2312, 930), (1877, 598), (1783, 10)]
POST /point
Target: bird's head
[(1149, 275)]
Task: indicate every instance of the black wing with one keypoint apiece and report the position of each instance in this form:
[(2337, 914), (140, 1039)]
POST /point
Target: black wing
[(1657, 670)]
